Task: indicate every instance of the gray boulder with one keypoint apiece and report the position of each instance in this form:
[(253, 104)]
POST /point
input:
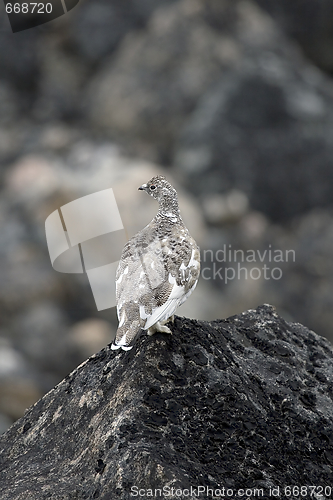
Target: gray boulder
[(308, 22), (266, 129)]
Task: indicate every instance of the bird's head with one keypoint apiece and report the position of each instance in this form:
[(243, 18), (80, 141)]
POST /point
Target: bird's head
[(159, 188)]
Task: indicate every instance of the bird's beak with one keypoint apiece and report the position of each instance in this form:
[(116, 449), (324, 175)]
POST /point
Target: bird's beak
[(143, 187)]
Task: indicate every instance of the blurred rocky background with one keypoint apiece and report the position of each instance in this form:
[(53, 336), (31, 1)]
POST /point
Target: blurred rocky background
[(231, 99)]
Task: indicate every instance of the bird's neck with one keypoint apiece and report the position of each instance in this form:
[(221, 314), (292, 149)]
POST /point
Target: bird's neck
[(169, 209)]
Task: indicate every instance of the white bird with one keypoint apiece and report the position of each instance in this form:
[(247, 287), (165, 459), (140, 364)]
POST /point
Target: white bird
[(158, 270)]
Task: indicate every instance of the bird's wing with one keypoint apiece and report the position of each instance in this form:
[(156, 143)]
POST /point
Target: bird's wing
[(140, 270), (167, 308), (182, 274)]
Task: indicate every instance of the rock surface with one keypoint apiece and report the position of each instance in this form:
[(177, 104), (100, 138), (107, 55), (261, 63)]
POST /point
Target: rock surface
[(237, 403)]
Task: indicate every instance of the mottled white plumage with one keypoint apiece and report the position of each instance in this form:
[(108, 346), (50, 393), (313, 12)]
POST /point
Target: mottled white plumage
[(158, 270)]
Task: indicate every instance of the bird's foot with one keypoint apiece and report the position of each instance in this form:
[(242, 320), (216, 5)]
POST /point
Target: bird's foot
[(159, 327)]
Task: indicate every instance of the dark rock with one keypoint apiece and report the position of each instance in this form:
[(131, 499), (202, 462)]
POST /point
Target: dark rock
[(264, 128), (97, 27), (122, 421), (308, 22), (18, 55), (18, 70)]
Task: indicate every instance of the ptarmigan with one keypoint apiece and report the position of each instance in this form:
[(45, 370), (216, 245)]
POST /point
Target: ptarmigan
[(158, 270)]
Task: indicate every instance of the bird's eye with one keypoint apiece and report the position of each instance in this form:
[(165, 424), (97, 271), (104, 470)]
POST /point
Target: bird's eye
[(152, 187)]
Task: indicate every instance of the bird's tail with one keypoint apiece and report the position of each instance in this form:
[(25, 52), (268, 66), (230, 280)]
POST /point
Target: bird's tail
[(125, 335), (123, 347)]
